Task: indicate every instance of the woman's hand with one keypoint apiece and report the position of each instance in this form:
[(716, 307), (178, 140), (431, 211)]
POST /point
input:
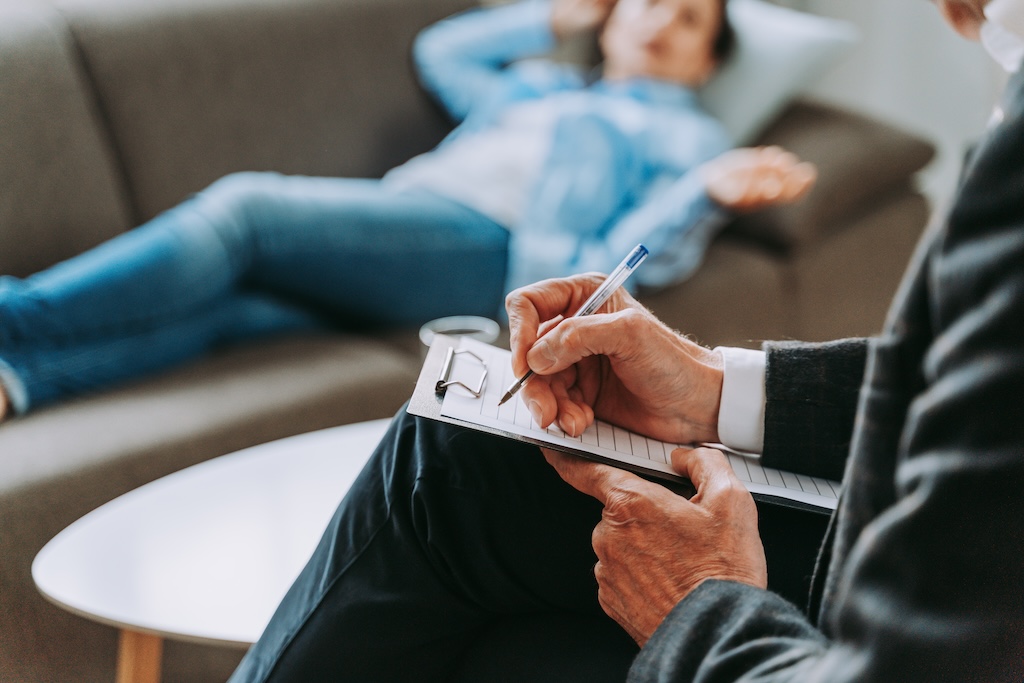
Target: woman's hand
[(753, 178), (622, 364)]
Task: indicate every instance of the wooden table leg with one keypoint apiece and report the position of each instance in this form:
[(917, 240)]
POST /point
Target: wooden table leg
[(138, 657)]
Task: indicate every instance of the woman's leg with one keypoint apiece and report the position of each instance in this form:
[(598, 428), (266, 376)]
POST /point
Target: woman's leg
[(51, 373), (185, 282), (374, 256), (446, 532)]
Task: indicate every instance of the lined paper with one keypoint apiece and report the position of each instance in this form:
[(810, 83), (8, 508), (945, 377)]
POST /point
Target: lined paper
[(604, 439)]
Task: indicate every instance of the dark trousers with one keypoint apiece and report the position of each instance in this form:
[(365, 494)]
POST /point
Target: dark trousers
[(458, 556)]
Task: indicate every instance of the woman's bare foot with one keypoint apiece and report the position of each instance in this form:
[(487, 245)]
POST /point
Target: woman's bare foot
[(753, 178), (4, 404)]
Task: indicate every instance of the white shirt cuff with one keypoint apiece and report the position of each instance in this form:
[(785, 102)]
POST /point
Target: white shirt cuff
[(741, 414)]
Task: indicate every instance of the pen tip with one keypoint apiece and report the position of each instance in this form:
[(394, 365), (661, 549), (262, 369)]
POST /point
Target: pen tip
[(504, 398)]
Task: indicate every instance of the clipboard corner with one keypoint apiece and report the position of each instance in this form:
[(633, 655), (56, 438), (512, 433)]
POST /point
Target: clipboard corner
[(425, 402)]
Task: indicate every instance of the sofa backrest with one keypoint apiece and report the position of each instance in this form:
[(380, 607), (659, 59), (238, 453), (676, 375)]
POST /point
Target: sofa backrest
[(196, 89), (861, 163), (60, 188), (112, 111)]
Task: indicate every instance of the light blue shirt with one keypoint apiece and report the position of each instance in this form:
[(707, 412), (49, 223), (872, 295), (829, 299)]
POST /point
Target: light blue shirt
[(616, 165)]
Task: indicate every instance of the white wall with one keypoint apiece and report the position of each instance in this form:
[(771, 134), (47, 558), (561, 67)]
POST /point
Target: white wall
[(912, 70)]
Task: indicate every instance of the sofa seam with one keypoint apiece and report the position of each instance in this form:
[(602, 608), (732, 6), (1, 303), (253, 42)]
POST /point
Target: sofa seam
[(103, 120)]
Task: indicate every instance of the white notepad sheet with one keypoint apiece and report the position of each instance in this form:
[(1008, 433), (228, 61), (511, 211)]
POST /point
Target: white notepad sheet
[(601, 438)]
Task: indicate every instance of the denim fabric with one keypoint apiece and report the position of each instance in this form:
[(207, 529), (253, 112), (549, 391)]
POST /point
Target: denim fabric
[(254, 254)]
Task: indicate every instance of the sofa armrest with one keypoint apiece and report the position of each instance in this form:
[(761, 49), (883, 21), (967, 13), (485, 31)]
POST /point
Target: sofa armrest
[(859, 160)]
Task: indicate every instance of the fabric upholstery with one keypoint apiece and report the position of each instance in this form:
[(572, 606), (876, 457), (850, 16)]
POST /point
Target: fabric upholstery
[(857, 159), (742, 287), (62, 462), (195, 89), (865, 269), (738, 289), (234, 399), (52, 146)]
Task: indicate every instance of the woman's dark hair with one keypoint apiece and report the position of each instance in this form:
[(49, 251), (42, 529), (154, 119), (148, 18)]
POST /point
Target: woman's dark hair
[(725, 41)]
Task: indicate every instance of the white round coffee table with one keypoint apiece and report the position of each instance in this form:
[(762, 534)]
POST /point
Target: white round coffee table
[(204, 554)]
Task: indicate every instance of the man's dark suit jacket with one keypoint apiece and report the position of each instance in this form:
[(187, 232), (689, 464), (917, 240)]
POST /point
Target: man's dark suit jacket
[(921, 577)]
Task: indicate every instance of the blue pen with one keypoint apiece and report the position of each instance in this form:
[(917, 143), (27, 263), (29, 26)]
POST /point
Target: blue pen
[(596, 300)]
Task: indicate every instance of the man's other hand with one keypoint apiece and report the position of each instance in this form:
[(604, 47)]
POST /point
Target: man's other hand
[(654, 547), (753, 178), (622, 364)]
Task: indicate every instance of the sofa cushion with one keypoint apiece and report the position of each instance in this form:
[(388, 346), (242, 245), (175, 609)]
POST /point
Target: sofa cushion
[(196, 89), (858, 159), (738, 288), (779, 54), (59, 463), (236, 398), (60, 191)]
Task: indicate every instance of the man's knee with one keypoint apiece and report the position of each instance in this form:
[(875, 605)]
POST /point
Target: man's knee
[(420, 448)]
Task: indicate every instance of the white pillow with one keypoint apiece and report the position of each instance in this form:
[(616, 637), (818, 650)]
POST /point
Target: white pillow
[(779, 53)]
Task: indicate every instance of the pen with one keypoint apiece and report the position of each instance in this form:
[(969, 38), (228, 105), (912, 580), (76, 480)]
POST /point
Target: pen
[(596, 300)]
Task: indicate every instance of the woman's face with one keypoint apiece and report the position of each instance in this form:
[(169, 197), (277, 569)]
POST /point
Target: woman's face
[(669, 40)]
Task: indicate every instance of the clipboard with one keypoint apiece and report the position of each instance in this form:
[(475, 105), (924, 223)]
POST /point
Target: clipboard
[(447, 366), (429, 393), (428, 397)]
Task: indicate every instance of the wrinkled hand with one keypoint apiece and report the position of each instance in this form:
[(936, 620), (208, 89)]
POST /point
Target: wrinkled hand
[(569, 17), (654, 547), (622, 364), (753, 178)]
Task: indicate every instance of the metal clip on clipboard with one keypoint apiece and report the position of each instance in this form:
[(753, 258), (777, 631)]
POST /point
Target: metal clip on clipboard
[(443, 382)]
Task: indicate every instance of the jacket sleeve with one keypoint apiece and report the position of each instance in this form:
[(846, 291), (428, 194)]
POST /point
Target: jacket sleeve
[(811, 393), (461, 59), (930, 589)]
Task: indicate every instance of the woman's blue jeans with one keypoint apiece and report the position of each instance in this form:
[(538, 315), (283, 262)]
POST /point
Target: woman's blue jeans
[(254, 254)]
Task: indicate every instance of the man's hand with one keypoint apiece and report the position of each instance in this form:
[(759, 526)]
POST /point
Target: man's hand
[(654, 547), (622, 365), (569, 17), (753, 178)]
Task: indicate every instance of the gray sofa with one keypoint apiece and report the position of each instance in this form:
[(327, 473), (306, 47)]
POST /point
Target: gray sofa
[(113, 110)]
